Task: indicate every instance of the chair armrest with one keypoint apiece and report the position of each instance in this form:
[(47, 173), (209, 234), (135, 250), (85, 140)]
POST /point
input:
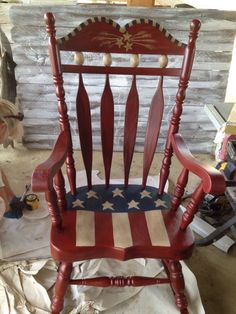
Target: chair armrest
[(213, 181), (42, 178)]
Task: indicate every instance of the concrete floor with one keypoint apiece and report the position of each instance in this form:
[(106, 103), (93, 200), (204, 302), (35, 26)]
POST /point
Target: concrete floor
[(215, 270)]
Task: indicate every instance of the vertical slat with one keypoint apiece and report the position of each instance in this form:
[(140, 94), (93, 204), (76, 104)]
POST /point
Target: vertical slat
[(130, 128), (85, 128), (107, 128), (153, 129)]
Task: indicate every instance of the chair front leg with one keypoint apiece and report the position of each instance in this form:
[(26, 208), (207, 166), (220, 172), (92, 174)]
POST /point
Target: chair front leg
[(174, 272), (61, 285)]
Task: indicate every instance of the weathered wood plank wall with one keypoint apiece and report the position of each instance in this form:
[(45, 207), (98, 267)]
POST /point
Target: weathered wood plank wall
[(36, 92)]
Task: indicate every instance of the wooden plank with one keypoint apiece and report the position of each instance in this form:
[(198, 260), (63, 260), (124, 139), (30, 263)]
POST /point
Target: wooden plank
[(208, 80), (140, 3), (194, 95), (71, 16), (200, 79), (32, 142)]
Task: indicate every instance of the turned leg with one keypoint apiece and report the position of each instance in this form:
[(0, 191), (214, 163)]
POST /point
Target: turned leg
[(179, 190), (174, 272), (61, 285)]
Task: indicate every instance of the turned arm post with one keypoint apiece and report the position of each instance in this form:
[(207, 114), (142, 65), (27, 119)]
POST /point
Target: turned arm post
[(192, 207), (179, 190), (59, 185), (53, 208), (54, 55)]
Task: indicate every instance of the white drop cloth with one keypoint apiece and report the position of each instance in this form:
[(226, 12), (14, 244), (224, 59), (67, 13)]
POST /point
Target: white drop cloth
[(26, 286)]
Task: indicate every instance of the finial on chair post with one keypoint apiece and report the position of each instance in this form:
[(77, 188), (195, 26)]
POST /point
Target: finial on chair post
[(194, 29), (50, 24)]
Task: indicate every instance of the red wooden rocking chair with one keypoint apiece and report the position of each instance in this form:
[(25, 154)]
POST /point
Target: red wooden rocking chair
[(121, 221)]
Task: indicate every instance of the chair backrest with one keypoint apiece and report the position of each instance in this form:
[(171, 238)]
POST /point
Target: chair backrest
[(140, 37)]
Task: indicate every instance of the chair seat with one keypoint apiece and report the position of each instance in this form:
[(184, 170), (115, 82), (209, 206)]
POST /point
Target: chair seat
[(121, 223)]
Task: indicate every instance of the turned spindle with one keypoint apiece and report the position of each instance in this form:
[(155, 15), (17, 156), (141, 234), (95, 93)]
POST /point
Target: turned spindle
[(79, 58), (107, 59), (163, 61), (134, 60)]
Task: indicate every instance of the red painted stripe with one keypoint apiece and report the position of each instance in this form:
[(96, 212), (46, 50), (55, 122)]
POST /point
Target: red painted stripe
[(139, 229), (69, 220), (103, 229)]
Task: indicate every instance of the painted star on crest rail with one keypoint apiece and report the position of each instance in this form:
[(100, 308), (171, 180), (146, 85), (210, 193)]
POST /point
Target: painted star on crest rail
[(92, 193), (128, 46), (117, 192), (127, 36), (133, 204), (107, 205), (160, 203), (78, 203), (119, 42), (145, 193)]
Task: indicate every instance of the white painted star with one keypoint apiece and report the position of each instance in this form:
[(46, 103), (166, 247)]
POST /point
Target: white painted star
[(133, 204), (91, 193), (78, 203), (107, 205), (145, 193), (160, 203), (117, 192)]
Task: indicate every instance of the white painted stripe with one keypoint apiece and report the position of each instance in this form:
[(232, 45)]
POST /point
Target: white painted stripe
[(121, 230), (156, 228), (85, 228)]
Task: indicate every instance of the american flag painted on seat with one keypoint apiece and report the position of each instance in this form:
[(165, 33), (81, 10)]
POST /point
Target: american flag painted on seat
[(116, 216)]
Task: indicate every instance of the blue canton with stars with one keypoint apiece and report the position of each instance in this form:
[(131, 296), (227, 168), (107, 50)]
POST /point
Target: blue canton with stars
[(117, 198)]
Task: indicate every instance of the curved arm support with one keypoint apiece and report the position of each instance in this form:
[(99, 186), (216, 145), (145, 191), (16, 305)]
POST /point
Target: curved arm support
[(213, 181), (42, 178)]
